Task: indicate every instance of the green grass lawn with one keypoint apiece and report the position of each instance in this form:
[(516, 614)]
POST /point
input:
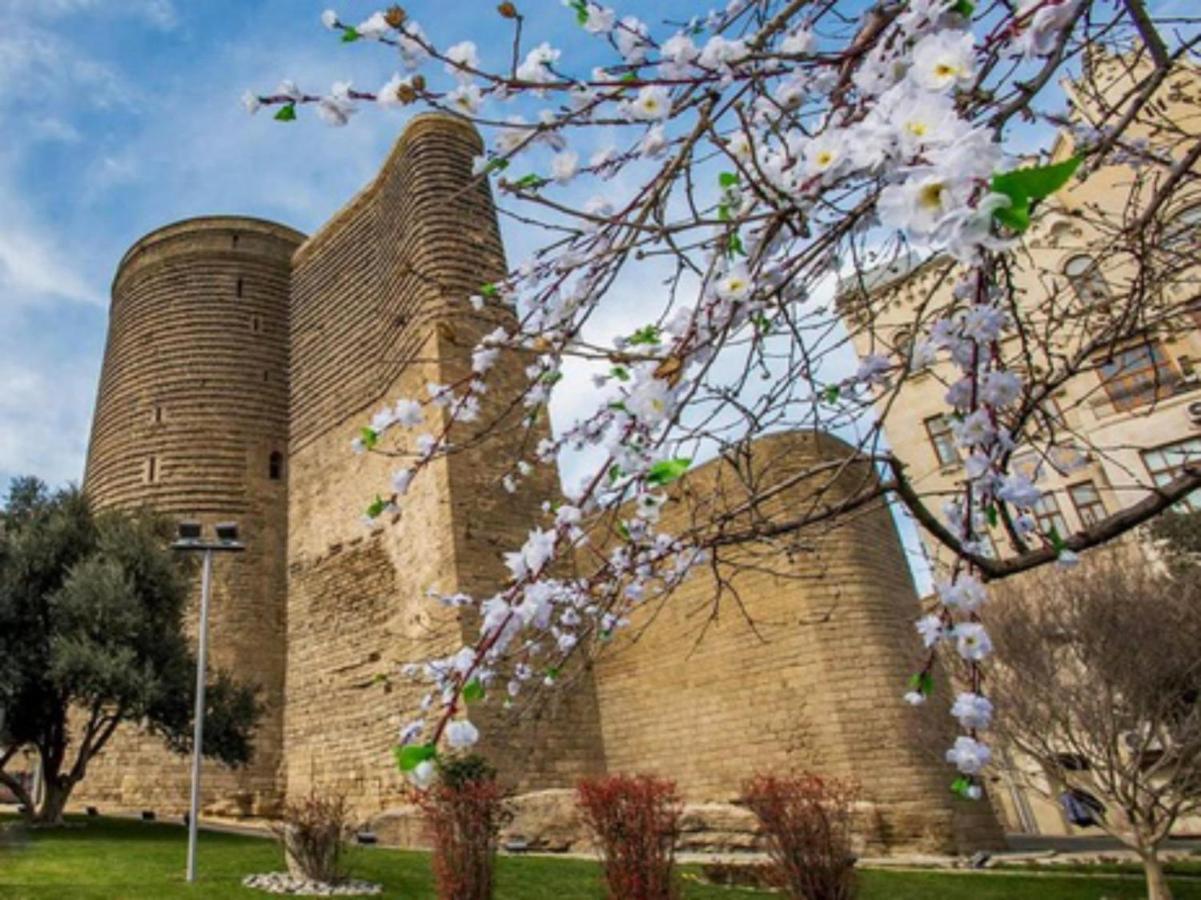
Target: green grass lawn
[(117, 859)]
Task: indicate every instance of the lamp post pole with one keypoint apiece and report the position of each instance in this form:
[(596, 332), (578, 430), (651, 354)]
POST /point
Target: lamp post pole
[(190, 541), (202, 641)]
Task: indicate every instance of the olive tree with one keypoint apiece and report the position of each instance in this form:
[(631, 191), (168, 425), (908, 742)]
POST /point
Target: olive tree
[(92, 635)]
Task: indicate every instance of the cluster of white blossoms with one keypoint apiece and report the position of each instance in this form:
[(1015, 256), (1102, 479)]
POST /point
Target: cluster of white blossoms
[(821, 143)]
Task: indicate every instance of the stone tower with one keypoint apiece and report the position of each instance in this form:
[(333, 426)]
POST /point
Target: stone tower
[(379, 310), (192, 421), (796, 660), (243, 359)]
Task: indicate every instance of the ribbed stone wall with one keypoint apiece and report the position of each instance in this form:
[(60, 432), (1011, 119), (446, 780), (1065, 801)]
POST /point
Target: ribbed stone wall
[(379, 310), (192, 420), (796, 661)]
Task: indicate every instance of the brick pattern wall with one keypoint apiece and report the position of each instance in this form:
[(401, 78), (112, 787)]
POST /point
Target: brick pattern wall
[(193, 402), (799, 661), (356, 610)]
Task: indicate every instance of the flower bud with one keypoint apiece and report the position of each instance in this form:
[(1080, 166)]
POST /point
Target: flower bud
[(395, 16), (507, 10)]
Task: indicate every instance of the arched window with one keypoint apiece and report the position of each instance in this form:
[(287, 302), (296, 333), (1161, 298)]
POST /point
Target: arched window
[(1084, 275), (275, 466)]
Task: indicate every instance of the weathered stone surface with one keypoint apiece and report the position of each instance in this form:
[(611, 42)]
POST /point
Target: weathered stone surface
[(546, 820), (226, 347)]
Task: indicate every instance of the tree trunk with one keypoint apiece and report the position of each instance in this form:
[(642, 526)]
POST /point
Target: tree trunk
[(17, 787), (1157, 882), (57, 792)]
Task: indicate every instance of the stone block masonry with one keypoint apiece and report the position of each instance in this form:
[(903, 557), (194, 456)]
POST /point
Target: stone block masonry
[(242, 360)]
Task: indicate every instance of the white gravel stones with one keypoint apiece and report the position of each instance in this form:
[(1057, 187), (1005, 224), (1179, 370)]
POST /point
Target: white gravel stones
[(283, 883)]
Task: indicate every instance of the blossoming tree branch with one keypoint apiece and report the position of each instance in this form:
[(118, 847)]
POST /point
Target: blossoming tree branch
[(745, 159)]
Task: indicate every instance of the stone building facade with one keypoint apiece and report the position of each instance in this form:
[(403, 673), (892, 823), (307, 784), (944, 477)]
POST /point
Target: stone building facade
[(242, 359), (1129, 419)]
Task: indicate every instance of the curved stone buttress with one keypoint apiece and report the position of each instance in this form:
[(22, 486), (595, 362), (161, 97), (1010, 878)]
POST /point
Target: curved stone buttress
[(191, 420)]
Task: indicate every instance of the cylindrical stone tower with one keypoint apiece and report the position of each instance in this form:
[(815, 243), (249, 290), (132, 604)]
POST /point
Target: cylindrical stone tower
[(192, 420)]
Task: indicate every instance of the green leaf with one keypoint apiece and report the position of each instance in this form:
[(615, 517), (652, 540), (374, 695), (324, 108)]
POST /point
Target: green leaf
[(922, 682), (965, 8), (286, 113), (762, 322), (723, 212), (349, 36), (630, 76), (615, 472), (668, 470), (647, 334), (552, 377), (496, 165), (377, 506), (624, 531), (1037, 182), (527, 181), (581, 11), (990, 512), (410, 757), (1022, 186), (369, 437), (552, 672), (727, 179), (489, 290), (1057, 541), (961, 786), (735, 245), (831, 393), (473, 691), (621, 373)]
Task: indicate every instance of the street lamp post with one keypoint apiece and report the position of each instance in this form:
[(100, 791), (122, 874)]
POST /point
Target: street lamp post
[(191, 540)]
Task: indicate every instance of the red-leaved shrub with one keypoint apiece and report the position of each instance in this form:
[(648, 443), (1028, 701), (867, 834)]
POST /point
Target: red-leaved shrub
[(636, 820), (807, 822), (464, 813)]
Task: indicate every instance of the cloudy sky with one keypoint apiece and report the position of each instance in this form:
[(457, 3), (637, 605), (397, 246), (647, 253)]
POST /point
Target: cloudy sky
[(119, 116)]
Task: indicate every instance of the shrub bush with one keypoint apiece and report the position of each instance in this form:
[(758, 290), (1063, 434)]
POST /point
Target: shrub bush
[(807, 822), (636, 820), (314, 834), (464, 815)]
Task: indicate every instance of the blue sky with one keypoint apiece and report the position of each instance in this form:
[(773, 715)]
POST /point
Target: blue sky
[(119, 116)]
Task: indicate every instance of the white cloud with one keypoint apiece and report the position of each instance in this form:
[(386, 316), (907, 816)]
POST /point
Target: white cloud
[(159, 13)]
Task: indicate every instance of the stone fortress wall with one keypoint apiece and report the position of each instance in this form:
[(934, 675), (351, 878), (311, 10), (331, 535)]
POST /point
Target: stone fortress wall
[(372, 307), (192, 419)]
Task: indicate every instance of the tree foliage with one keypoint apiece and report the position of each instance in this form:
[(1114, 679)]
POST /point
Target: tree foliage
[(92, 610)]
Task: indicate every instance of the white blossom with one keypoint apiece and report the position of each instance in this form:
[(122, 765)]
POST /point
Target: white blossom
[(461, 57), (968, 755), (564, 166), (466, 98), (329, 19), (461, 733), (423, 774), (972, 710), (374, 27), (972, 641), (944, 60)]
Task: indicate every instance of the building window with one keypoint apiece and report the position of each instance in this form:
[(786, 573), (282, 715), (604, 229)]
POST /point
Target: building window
[(1164, 463), (1050, 517), (156, 415), (1138, 376), (234, 240), (150, 472), (1087, 500), (238, 287), (256, 324), (275, 466), (939, 429), (1084, 275)]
